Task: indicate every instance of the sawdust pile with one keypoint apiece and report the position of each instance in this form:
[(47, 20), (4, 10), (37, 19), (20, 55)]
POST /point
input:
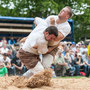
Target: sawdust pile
[(40, 79), (43, 81)]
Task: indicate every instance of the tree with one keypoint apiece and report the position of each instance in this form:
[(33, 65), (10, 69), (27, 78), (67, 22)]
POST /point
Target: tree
[(44, 8)]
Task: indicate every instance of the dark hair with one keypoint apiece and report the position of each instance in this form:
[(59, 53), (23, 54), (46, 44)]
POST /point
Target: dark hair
[(52, 30), (4, 54), (16, 44)]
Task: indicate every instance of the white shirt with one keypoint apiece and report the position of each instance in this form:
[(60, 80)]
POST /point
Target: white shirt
[(64, 28), (73, 49), (36, 38), (7, 60), (4, 50)]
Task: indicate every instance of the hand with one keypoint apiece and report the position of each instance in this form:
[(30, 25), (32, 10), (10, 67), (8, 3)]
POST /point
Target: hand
[(81, 64), (65, 64), (35, 22), (35, 47), (20, 68), (13, 64)]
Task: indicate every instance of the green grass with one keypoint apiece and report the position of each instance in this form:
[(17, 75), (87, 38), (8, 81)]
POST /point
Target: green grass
[(67, 77)]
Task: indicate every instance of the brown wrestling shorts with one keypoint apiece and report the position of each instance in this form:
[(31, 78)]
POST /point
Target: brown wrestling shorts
[(28, 59)]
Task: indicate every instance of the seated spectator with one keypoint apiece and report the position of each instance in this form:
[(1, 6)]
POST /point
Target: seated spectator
[(11, 41), (80, 64), (53, 72), (71, 69), (7, 61), (15, 49), (73, 47), (60, 65), (10, 54), (88, 69), (3, 70), (17, 66), (4, 49), (4, 41)]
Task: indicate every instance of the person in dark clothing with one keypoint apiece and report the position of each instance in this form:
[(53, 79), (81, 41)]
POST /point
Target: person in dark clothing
[(79, 64), (11, 41), (17, 67)]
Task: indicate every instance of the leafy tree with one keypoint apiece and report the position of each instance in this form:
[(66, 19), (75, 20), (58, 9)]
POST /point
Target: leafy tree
[(44, 8)]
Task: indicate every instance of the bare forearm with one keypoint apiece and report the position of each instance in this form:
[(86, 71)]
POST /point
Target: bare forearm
[(23, 39), (20, 68), (8, 66), (60, 36), (51, 48)]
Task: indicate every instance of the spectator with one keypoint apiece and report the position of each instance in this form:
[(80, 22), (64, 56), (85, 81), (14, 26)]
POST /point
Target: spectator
[(79, 63), (83, 48), (17, 66), (3, 70), (4, 49), (53, 72), (7, 61), (73, 47), (11, 41), (71, 69), (87, 62), (4, 41), (60, 65)]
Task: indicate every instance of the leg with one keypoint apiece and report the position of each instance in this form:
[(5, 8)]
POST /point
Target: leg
[(24, 69), (77, 69), (34, 70), (85, 68), (47, 60), (12, 70), (88, 71), (28, 74)]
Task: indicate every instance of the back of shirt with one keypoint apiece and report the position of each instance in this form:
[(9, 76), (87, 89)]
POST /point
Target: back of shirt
[(34, 36)]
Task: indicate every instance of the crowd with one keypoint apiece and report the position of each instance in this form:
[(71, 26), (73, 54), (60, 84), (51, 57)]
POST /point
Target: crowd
[(9, 61), (71, 59)]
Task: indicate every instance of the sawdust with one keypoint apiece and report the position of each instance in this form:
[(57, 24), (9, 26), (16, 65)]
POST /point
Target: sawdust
[(22, 83)]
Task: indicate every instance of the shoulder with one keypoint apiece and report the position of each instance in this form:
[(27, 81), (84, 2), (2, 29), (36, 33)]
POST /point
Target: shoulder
[(4, 67), (52, 16), (66, 25), (65, 28), (41, 39), (1, 59)]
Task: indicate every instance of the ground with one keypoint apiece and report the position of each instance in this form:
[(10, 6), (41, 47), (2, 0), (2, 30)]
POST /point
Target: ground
[(57, 84)]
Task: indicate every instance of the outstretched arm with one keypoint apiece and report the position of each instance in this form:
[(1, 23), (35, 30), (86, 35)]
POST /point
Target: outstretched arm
[(50, 48), (59, 37), (23, 39), (38, 20)]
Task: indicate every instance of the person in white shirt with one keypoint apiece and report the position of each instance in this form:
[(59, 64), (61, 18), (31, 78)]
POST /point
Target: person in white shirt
[(6, 60), (4, 49), (36, 44), (60, 21)]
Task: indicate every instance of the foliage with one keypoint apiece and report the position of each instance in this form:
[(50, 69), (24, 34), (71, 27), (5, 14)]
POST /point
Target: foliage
[(44, 8)]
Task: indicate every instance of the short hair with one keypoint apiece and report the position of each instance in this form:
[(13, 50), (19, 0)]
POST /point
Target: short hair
[(52, 30), (4, 54), (70, 11)]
